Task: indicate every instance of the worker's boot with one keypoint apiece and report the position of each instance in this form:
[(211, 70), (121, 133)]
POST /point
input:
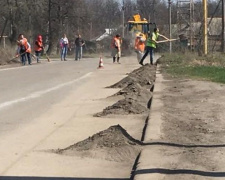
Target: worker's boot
[(118, 60), (114, 59), (141, 62)]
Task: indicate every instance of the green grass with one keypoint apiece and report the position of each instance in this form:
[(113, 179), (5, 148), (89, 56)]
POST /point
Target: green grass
[(210, 68), (211, 73)]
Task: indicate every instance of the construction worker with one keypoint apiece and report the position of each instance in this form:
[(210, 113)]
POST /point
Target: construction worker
[(38, 47), (151, 45), (23, 50), (116, 48), (64, 43), (139, 46)]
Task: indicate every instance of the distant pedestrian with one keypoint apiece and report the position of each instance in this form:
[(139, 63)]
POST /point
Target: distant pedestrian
[(79, 43), (139, 46), (23, 50), (38, 47), (64, 43), (116, 48), (151, 45)]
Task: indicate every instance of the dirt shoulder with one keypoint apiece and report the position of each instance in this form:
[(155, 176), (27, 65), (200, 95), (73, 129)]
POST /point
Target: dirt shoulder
[(193, 119)]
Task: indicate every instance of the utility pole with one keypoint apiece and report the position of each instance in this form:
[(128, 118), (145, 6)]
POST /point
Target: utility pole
[(205, 28), (91, 30), (169, 2), (153, 12), (123, 9), (223, 26), (49, 27)]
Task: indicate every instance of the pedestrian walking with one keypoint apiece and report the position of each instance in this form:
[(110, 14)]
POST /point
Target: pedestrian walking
[(79, 43), (139, 46), (23, 50), (151, 45), (116, 48), (64, 43), (38, 47)]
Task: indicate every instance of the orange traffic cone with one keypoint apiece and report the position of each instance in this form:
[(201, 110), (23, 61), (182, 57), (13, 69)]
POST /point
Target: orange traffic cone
[(100, 63)]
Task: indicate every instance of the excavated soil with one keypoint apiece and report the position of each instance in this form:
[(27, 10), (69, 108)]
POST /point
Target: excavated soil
[(136, 92), (136, 89), (123, 107), (113, 144), (145, 76)]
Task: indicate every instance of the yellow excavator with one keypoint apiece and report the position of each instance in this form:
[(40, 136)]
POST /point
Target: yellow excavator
[(139, 26), (136, 27)]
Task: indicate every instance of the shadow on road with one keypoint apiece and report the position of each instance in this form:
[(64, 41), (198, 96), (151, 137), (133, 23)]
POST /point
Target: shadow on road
[(54, 178), (183, 145), (180, 171)]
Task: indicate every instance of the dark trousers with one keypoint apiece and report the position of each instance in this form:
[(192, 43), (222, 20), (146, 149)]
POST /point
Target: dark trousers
[(149, 50), (78, 52), (28, 58), (38, 54)]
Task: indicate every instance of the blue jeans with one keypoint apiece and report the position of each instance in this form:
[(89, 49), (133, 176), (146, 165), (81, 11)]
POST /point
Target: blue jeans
[(64, 52), (25, 57), (149, 50), (38, 54), (78, 52)]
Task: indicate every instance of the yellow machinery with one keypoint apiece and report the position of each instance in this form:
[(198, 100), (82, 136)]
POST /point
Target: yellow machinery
[(135, 27), (138, 25)]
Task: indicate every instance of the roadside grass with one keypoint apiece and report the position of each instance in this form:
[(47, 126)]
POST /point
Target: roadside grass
[(7, 55), (190, 65)]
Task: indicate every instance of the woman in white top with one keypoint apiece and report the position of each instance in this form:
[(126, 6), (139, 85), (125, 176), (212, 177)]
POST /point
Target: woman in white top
[(64, 43)]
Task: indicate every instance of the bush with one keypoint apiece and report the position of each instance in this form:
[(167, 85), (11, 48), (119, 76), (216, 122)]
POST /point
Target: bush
[(7, 55)]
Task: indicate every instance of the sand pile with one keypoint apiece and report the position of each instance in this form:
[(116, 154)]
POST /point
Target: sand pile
[(113, 144)]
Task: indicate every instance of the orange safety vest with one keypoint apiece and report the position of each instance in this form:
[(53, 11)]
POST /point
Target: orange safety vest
[(139, 45), (116, 43), (29, 48), (38, 46), (24, 46)]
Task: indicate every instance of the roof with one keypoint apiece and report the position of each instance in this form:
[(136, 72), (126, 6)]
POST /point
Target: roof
[(107, 33)]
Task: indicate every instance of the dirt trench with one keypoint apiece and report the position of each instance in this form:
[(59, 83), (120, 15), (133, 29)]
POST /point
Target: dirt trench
[(114, 143)]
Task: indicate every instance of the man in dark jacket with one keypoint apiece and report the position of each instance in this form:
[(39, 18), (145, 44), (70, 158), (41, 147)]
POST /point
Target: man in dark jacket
[(79, 43)]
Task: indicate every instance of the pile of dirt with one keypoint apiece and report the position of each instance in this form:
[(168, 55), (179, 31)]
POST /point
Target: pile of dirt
[(136, 92), (113, 144), (123, 107), (137, 87), (145, 76)]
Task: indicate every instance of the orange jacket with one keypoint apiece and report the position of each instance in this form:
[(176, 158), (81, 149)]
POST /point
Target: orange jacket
[(29, 48), (23, 46), (116, 43), (38, 46), (139, 45)]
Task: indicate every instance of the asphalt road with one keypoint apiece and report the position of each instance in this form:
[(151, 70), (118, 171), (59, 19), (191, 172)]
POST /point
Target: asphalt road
[(50, 106), (27, 92)]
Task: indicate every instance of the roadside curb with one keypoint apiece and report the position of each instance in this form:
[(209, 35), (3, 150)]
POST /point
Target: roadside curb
[(152, 133)]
